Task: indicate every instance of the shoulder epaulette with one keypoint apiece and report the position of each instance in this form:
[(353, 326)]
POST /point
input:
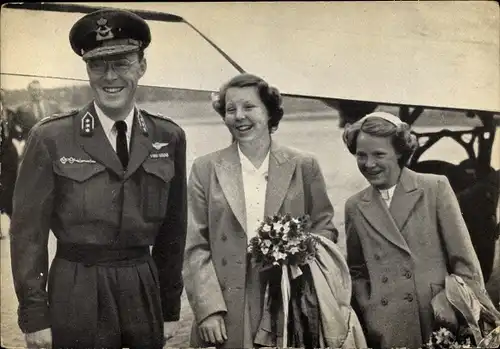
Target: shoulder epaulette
[(59, 116), (159, 116)]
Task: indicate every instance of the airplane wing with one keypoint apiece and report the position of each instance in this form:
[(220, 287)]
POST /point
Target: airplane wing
[(415, 53), (178, 57)]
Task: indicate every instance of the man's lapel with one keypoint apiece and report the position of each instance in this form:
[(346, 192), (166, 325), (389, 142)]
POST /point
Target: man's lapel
[(95, 142), (141, 143), (228, 171), (281, 169)]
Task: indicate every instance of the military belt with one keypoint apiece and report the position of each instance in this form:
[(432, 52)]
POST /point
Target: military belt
[(102, 255)]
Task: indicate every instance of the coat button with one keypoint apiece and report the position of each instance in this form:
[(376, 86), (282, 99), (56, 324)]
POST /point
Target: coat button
[(384, 301), (377, 257), (224, 237), (408, 274), (385, 279), (224, 261), (409, 297)]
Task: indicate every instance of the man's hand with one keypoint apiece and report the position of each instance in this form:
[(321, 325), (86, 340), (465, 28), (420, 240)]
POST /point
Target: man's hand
[(213, 329), (39, 339), (170, 328)]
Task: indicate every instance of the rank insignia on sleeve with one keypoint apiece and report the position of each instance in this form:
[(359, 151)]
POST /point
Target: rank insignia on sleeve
[(87, 125)]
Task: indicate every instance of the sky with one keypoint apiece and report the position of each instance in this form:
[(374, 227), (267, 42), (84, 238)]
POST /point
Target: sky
[(425, 53)]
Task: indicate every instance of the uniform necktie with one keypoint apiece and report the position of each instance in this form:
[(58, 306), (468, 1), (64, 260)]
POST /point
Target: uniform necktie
[(121, 142)]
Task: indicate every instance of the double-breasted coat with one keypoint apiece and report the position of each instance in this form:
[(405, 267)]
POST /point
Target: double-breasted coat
[(399, 257), (215, 264), (72, 182)]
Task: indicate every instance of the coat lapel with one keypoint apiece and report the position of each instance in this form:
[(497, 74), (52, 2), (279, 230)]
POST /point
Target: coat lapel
[(405, 197), (376, 213), (96, 144), (228, 171), (140, 145), (281, 169)]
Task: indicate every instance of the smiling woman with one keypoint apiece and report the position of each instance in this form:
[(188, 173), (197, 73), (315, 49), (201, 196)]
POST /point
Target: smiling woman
[(405, 233), (229, 192), (382, 145)]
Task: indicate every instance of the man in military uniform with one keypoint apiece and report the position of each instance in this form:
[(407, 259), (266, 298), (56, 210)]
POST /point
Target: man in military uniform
[(109, 181)]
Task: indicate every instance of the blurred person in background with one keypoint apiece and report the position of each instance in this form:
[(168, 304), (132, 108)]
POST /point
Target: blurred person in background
[(8, 158), (405, 235), (29, 113)]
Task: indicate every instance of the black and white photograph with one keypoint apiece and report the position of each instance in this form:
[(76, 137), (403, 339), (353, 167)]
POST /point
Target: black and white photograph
[(242, 174)]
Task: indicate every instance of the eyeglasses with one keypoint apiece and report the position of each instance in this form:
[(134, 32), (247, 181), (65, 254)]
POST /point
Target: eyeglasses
[(120, 66)]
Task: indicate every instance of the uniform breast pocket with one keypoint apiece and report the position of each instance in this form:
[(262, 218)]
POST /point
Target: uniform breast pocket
[(81, 189), (155, 187)]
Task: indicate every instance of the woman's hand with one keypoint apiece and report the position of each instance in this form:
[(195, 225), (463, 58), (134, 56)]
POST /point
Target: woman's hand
[(213, 329)]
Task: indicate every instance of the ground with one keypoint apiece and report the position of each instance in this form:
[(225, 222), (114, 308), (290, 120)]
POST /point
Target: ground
[(316, 134)]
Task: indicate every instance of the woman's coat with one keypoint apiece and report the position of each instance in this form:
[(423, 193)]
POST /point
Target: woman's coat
[(215, 260), (399, 257)]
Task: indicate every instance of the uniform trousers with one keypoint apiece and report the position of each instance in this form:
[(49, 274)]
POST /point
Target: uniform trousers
[(111, 303)]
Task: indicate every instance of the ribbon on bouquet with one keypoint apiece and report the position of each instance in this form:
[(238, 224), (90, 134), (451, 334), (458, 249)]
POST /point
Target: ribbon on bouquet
[(295, 272)]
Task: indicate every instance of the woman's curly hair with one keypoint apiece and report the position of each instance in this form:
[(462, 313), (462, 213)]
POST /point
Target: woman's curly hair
[(403, 141), (269, 95)]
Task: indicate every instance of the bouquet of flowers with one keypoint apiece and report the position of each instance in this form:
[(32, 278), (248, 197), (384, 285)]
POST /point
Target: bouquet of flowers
[(445, 339), (462, 337), (285, 245), (283, 240)]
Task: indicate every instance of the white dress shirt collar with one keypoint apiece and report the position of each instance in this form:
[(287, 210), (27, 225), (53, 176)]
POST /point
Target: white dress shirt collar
[(108, 125), (247, 165), (387, 194)]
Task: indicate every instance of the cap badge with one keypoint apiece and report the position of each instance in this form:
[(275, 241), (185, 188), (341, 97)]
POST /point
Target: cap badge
[(103, 31)]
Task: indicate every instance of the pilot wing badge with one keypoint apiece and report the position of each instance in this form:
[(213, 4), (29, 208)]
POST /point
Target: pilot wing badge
[(158, 145)]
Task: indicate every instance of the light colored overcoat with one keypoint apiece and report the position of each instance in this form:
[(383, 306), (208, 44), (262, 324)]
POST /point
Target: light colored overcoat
[(215, 264), (399, 257)]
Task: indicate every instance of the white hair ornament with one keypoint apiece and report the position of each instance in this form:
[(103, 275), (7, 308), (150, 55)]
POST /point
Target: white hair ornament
[(383, 115)]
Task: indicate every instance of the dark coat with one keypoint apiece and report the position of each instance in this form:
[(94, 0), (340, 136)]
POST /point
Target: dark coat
[(8, 161), (74, 184)]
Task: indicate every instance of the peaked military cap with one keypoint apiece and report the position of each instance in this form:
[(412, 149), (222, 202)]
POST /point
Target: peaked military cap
[(109, 32)]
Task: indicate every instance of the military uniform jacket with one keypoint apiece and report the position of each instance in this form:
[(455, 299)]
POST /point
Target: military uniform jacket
[(72, 182)]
